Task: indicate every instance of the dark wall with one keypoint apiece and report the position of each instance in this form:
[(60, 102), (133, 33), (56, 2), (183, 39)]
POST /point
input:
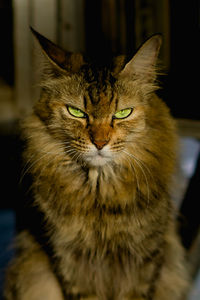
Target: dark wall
[(182, 89), (6, 36), (181, 86)]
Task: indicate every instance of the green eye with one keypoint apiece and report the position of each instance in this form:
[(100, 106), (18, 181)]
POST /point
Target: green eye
[(122, 114), (76, 112)]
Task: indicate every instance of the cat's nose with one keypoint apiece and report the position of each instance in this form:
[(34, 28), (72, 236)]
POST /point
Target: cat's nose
[(100, 135), (100, 144)]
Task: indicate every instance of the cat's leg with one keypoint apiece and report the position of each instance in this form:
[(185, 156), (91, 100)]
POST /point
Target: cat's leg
[(29, 277), (173, 283)]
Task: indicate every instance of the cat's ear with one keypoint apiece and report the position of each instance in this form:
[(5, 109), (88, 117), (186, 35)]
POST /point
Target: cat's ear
[(144, 61), (67, 61)]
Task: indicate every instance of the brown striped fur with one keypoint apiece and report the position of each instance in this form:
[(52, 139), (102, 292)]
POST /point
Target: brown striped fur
[(108, 230)]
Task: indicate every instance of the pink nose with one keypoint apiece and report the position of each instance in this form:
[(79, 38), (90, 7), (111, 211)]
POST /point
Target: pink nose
[(100, 144)]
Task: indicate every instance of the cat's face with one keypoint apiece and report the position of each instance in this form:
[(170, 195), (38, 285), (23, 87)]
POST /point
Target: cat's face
[(93, 113), (98, 123)]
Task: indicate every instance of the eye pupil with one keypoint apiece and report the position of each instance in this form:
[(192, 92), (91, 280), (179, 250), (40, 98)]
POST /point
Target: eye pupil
[(76, 112), (122, 114)]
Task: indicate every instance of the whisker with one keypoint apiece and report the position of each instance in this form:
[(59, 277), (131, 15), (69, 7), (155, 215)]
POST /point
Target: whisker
[(31, 166), (140, 165), (25, 171), (43, 151), (134, 169), (138, 186), (147, 169), (65, 146)]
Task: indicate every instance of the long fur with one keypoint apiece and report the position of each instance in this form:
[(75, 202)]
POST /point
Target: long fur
[(108, 230)]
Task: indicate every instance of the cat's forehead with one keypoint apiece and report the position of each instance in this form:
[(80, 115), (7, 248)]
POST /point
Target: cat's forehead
[(95, 90), (99, 89), (100, 102), (98, 80)]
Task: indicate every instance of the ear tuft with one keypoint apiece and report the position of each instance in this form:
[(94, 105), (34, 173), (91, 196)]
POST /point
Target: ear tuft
[(67, 61), (144, 61)]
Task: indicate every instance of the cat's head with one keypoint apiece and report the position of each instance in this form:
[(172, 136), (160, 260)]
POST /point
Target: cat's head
[(97, 112)]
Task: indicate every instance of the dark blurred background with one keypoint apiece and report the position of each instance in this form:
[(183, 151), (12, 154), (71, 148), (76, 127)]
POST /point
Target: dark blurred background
[(98, 27)]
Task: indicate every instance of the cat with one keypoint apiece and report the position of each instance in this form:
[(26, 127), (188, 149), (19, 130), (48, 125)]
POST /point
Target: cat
[(101, 150)]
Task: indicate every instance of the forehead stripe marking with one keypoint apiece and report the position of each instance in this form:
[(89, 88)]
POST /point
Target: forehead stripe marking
[(116, 103), (85, 102), (112, 96)]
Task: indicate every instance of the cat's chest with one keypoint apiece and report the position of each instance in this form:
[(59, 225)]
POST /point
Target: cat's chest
[(99, 230), (97, 195), (99, 215), (100, 240)]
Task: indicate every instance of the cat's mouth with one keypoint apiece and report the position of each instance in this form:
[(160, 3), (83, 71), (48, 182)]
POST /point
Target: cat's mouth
[(98, 158)]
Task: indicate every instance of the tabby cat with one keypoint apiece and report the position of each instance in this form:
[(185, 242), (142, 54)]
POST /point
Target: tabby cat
[(101, 150)]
